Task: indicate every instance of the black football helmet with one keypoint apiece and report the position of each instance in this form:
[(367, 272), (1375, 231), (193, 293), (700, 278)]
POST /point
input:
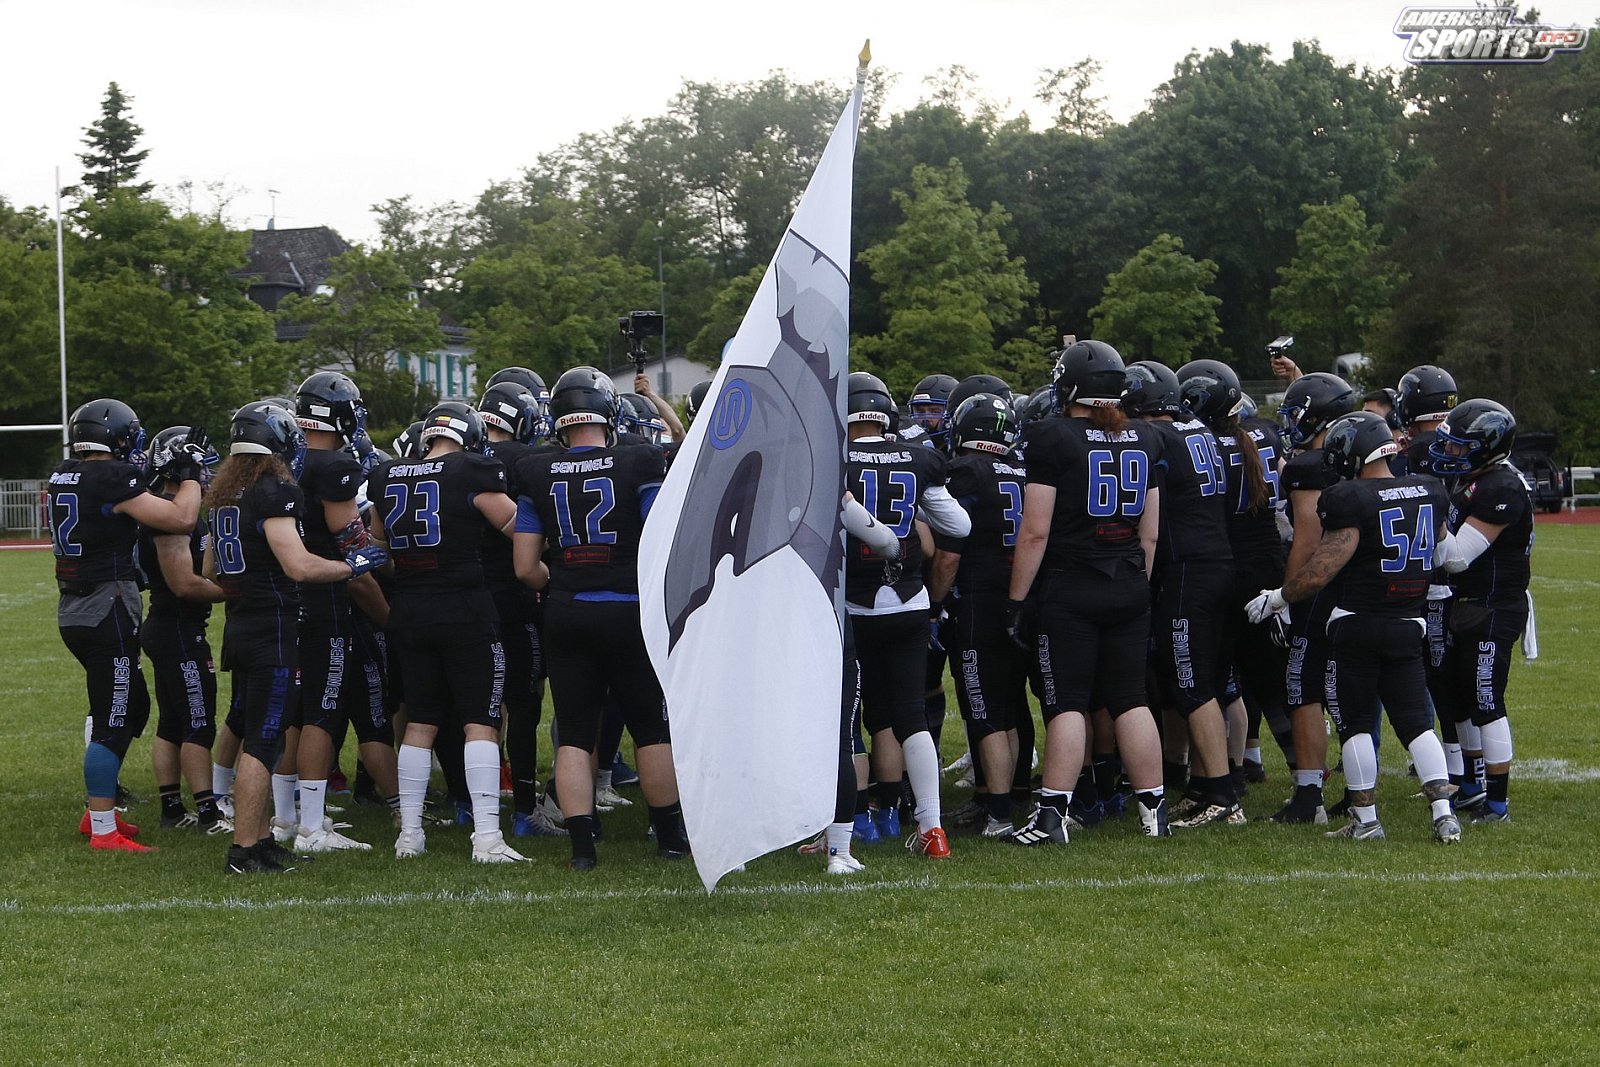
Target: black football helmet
[(1425, 392), (930, 401), (1210, 389), (106, 426), (529, 380), (636, 415), (1091, 373), (455, 421), (1475, 434), (511, 408), (697, 396), (330, 401), (1041, 404), (584, 396), (405, 446), (867, 399), (167, 446), (268, 429), (1151, 388), (984, 422), (964, 390), (1356, 439), (1310, 403)]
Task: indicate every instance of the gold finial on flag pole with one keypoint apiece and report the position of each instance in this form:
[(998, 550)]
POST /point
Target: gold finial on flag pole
[(866, 53)]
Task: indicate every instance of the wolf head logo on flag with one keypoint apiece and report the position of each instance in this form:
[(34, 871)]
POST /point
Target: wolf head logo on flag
[(742, 561)]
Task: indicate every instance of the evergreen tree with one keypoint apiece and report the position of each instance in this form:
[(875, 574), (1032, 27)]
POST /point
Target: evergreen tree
[(111, 162)]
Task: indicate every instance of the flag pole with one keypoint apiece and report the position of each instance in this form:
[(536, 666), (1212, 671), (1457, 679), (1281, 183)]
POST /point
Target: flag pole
[(61, 314)]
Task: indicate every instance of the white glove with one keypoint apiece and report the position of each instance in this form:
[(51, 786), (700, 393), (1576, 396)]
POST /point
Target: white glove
[(1269, 602)]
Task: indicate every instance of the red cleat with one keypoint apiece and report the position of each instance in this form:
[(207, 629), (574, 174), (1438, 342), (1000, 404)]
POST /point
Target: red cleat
[(933, 844), (126, 829), (115, 842)]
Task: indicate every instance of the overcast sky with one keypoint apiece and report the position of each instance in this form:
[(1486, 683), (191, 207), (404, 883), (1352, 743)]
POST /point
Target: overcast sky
[(339, 104)]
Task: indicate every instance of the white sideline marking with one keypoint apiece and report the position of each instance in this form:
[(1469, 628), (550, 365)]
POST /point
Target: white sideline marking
[(1526, 770), (789, 889)]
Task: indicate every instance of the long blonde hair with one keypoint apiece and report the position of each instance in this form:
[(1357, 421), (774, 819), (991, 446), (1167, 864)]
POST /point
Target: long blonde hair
[(238, 473)]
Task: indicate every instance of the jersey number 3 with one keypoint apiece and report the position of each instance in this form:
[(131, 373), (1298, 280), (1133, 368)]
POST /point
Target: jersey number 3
[(413, 516)]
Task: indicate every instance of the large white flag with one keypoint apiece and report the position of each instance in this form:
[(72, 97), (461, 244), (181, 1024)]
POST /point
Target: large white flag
[(741, 567)]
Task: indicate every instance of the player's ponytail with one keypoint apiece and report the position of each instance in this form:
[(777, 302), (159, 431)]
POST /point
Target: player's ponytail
[(1257, 494)]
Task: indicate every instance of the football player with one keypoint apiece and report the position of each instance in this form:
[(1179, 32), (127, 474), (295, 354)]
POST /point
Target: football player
[(1378, 538), (1090, 516), (434, 511), (588, 506), (258, 555), (1487, 556), (174, 637), (929, 404), (890, 605), (1310, 405), (333, 678), (1193, 580), (97, 499)]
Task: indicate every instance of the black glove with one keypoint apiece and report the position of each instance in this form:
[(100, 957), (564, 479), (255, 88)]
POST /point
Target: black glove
[(1015, 628)]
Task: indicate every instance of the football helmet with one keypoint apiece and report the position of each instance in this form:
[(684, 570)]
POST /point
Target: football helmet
[(930, 401), (167, 446), (405, 446), (1356, 439), (1151, 388), (867, 400), (584, 396), (1310, 403), (511, 408), (636, 415), (529, 380), (1090, 373), (984, 422), (1425, 392), (697, 396), (330, 401), (106, 426), (455, 421), (965, 389), (1210, 389), (268, 429), (1041, 404), (1476, 434)]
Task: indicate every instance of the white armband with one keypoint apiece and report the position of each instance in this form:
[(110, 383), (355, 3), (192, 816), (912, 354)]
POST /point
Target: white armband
[(1456, 551)]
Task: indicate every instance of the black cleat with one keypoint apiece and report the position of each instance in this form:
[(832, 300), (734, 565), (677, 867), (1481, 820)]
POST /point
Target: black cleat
[(1254, 772), (581, 863), (1304, 807), (252, 860)]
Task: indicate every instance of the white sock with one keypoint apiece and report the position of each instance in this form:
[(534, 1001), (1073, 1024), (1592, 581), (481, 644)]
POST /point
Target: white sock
[(1497, 741), (1309, 778), (1469, 735), (1253, 754), (602, 780), (1427, 754), (482, 759), (313, 804), (839, 838), (922, 767), (415, 764), (1364, 812), (103, 822), (221, 779), (1439, 808), (1453, 762), (1361, 763), (283, 787)]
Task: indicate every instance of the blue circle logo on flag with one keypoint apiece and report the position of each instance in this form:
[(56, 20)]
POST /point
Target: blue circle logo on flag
[(731, 415)]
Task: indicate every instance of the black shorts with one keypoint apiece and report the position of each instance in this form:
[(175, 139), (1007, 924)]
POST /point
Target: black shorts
[(119, 701), (519, 633), (991, 672), (268, 708), (1189, 626), (1092, 640), (185, 679), (1479, 642), (1377, 659), (1305, 675), (455, 673), (594, 648), (893, 653)]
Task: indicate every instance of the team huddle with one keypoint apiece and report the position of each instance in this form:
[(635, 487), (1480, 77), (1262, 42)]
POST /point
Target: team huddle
[(1164, 570)]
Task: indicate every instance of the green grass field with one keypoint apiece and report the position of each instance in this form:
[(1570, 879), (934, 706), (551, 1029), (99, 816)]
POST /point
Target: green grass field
[(1256, 944)]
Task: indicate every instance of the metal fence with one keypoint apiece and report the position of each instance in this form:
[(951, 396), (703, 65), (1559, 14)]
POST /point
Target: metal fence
[(21, 511)]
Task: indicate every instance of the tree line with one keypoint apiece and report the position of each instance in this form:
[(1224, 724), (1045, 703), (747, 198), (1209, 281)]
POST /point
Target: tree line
[(1445, 214)]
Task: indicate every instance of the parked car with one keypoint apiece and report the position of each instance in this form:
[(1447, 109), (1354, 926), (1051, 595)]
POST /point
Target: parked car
[(1533, 455)]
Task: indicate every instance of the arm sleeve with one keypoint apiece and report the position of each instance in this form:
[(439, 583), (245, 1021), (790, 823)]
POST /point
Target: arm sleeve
[(1455, 552), (942, 512), (859, 523)]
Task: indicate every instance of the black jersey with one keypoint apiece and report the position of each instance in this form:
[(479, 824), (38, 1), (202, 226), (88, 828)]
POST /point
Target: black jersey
[(498, 571), (1305, 471), (989, 488), (436, 535), (164, 603), (1399, 521), (590, 504), (1252, 532), (1100, 478), (247, 569), (1499, 577), (93, 543), (1194, 497), (888, 478), (1416, 459), (329, 477)]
